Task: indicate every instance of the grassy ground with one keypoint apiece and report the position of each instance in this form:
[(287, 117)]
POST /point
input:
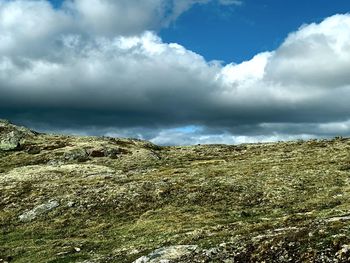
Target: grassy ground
[(120, 199)]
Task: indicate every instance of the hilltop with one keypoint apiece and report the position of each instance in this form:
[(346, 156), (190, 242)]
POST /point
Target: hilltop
[(100, 199)]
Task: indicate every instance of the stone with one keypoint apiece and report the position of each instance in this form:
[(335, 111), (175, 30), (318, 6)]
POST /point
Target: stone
[(33, 150), (79, 155), (11, 135), (166, 254), (37, 211), (105, 152), (10, 141), (97, 153), (344, 252), (113, 153)]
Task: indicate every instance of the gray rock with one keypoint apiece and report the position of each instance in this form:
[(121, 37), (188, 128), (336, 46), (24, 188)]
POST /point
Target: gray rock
[(97, 153), (11, 136), (211, 252), (33, 150), (10, 141), (166, 254), (55, 162), (37, 211), (4, 122), (79, 155), (113, 153)]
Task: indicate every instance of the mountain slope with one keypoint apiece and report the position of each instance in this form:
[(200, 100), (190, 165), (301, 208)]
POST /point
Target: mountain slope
[(90, 199)]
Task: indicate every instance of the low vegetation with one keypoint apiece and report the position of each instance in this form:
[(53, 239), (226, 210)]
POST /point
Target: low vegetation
[(90, 199)]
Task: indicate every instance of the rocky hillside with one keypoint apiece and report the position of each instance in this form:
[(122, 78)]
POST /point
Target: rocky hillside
[(97, 199)]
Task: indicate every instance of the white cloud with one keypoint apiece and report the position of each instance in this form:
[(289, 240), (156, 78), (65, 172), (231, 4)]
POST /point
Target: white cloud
[(28, 27), (96, 61), (316, 55), (109, 17), (176, 137)]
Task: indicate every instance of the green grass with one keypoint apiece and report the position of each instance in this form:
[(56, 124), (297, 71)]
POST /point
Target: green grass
[(261, 202)]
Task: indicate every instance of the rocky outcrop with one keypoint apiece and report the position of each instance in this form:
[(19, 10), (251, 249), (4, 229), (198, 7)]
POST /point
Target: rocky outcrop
[(11, 136), (166, 254), (10, 141), (79, 155), (37, 211)]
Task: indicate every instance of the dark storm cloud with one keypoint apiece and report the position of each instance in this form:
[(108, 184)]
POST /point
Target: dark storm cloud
[(69, 69)]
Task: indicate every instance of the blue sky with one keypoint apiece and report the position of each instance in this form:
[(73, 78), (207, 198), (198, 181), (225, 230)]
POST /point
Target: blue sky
[(236, 33), (146, 69)]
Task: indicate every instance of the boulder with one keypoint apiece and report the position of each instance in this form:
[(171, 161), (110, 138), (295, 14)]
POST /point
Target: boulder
[(97, 153), (33, 150), (166, 254), (37, 211), (10, 141), (11, 136), (113, 153), (78, 154), (104, 152)]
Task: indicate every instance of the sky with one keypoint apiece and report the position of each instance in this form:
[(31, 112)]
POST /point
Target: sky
[(177, 72)]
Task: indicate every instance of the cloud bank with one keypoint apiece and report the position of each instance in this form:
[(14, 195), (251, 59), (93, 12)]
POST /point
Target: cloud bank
[(99, 66)]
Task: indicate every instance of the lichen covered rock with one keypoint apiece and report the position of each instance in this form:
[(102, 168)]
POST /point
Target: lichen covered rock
[(11, 136), (10, 141), (166, 254), (37, 211)]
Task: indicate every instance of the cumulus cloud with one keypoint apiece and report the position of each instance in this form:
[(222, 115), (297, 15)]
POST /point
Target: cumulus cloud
[(316, 55), (37, 20), (95, 66), (109, 17)]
